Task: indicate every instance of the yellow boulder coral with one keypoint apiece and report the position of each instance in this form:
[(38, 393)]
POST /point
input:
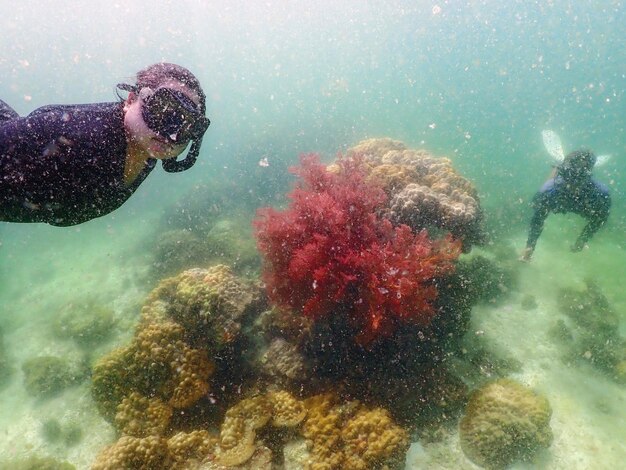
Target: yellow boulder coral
[(236, 443), (238, 431), (190, 446), (156, 363), (350, 436), (504, 422), (135, 453), (140, 416), (371, 439), (287, 411)]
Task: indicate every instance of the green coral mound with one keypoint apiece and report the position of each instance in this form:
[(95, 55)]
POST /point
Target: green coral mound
[(6, 369), (88, 324), (36, 463), (505, 422), (48, 375), (591, 329), (54, 432)]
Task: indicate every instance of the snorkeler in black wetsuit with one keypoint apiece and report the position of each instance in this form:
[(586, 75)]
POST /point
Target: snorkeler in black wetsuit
[(67, 164), (571, 189)]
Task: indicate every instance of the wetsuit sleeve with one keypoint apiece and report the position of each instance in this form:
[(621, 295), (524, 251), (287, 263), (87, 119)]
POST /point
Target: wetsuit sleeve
[(541, 209), (64, 164), (6, 112)]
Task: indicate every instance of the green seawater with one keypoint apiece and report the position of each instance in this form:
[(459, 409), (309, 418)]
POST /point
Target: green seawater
[(474, 81)]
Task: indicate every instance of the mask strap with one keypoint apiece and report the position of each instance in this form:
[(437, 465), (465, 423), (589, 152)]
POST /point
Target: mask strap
[(125, 87)]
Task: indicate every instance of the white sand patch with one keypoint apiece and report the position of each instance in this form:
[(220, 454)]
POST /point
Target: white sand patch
[(45, 269), (589, 409)]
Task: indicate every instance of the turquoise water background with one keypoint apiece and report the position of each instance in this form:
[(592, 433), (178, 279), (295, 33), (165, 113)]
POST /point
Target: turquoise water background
[(476, 81)]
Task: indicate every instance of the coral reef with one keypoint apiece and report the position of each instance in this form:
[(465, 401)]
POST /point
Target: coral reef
[(351, 355), (157, 363), (330, 253), (371, 438), (505, 422), (186, 321), (140, 416), (287, 411), (187, 447), (424, 191), (184, 450)]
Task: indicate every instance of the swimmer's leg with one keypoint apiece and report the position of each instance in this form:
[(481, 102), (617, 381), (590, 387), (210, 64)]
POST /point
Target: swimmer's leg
[(7, 112)]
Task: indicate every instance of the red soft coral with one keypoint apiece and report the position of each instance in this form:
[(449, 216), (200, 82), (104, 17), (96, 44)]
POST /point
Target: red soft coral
[(331, 252)]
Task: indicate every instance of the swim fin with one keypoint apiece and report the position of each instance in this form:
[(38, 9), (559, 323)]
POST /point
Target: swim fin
[(602, 159), (554, 147), (552, 143)]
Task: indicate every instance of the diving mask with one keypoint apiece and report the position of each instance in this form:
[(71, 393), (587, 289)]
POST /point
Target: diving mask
[(174, 116)]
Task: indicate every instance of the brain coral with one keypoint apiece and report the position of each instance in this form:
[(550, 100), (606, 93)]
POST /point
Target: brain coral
[(504, 422)]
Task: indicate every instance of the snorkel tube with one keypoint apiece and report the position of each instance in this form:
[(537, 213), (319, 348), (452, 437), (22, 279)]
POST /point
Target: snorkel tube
[(171, 165)]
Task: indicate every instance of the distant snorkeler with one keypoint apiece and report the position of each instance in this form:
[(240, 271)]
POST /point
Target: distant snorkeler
[(570, 189), (67, 164)]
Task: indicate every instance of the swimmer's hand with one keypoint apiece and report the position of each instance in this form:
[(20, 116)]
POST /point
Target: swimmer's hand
[(526, 255)]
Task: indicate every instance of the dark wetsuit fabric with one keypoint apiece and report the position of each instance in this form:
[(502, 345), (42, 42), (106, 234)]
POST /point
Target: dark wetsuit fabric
[(63, 164), (589, 199)]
